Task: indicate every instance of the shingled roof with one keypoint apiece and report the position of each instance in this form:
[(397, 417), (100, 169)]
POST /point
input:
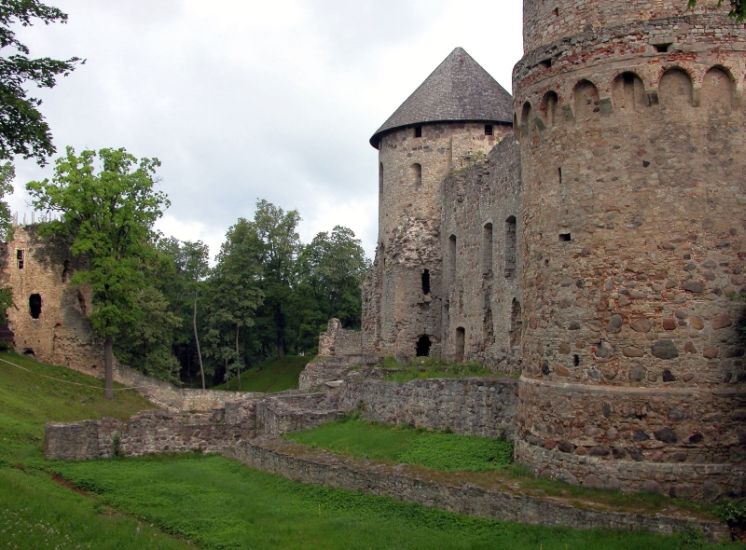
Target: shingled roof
[(458, 90)]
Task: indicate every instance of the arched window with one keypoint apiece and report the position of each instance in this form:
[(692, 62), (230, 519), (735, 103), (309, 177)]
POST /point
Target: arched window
[(423, 346), (417, 174), (717, 90), (426, 282), (34, 305), (526, 118), (628, 92), (460, 343), (516, 323), (549, 108), (487, 242), (675, 88), (452, 256), (380, 179), (510, 246), (586, 100)]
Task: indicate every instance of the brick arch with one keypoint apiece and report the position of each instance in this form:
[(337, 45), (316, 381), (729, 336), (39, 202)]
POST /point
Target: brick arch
[(526, 111), (628, 92), (676, 87), (718, 88), (586, 100)]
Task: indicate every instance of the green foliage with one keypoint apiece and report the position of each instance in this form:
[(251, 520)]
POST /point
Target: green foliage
[(404, 445), (733, 512), (23, 130), (105, 216), (330, 271), (7, 173), (270, 375), (737, 11), (221, 504)]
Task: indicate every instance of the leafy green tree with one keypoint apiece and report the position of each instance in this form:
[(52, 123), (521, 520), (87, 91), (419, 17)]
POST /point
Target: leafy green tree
[(234, 295), (194, 267), (280, 243), (23, 130), (7, 173), (106, 218), (330, 272)]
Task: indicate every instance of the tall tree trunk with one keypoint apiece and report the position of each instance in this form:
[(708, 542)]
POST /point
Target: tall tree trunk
[(280, 332), (238, 362), (196, 340), (109, 368)]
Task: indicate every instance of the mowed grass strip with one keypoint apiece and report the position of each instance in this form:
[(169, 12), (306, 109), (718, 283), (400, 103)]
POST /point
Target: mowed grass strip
[(222, 504), (271, 375), (404, 445)]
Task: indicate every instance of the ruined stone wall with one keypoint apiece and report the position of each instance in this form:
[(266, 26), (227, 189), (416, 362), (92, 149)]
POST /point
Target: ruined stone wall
[(61, 334), (152, 432), (634, 245), (470, 406), (482, 291), (547, 21), (411, 170)]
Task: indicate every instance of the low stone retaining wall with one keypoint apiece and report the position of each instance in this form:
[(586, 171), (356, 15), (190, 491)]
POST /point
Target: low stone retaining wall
[(151, 432), (411, 484), (469, 406), (170, 397), (283, 413)]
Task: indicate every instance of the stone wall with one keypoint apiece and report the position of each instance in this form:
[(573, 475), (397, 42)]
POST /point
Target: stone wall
[(482, 272), (151, 432), (399, 306), (449, 493), (292, 412), (632, 140), (470, 406), (59, 331)]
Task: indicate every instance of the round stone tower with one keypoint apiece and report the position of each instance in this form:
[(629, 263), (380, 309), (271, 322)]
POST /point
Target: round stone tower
[(453, 119), (633, 155)]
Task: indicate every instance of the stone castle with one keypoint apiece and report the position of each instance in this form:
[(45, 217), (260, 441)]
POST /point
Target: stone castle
[(587, 233)]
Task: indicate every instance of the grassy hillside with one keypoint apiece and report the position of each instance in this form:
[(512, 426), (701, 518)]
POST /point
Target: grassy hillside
[(272, 375), (209, 501), (37, 510)]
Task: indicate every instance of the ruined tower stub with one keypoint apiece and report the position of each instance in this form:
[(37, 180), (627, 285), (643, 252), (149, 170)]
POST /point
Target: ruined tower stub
[(632, 137), (455, 117)]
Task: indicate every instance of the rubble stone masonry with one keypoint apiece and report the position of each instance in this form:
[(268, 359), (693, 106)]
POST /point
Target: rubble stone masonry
[(632, 136)]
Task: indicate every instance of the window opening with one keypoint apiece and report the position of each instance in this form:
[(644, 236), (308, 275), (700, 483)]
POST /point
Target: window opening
[(487, 238), (418, 131), (452, 256), (460, 343), (663, 48), (19, 258), (423, 346), (510, 245), (426, 282), (417, 174), (488, 130), (565, 237), (34, 305), (516, 323)]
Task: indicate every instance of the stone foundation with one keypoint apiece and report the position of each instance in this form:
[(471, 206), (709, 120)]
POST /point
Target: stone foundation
[(449, 493)]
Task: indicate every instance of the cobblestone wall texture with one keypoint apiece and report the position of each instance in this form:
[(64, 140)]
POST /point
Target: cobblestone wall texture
[(471, 406), (632, 136)]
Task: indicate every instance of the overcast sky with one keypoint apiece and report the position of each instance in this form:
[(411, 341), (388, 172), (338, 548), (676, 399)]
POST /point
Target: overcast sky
[(249, 99)]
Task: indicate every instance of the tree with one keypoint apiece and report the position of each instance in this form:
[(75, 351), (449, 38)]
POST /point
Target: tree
[(23, 130), (7, 173), (106, 218), (194, 268), (330, 272), (234, 296), (280, 243)]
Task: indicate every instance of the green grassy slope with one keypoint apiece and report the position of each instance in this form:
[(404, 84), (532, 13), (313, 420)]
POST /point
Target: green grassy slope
[(36, 510), (272, 375)]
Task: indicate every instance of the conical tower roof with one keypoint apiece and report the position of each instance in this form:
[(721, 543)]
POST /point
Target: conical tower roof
[(458, 90)]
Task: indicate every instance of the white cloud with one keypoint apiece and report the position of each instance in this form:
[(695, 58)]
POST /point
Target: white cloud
[(248, 100)]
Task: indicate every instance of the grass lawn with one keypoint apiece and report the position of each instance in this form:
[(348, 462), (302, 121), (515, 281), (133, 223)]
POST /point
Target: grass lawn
[(221, 504), (403, 445), (271, 375), (209, 501)]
